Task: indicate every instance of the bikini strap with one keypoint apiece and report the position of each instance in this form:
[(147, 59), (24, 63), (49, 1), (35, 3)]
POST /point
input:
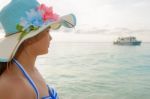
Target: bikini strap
[(52, 92), (27, 77)]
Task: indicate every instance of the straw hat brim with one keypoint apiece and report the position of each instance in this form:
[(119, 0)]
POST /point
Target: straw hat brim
[(10, 44)]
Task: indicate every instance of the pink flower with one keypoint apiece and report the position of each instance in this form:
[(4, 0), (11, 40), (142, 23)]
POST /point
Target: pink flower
[(47, 13)]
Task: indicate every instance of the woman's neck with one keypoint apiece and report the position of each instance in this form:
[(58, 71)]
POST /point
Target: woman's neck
[(26, 60), (28, 63)]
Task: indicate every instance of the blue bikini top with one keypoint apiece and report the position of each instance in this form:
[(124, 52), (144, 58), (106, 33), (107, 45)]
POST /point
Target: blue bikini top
[(52, 91)]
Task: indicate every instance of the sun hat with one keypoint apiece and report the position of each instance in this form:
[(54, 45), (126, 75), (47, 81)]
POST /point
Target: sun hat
[(23, 19)]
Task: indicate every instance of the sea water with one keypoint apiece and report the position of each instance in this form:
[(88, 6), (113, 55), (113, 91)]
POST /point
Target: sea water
[(97, 70)]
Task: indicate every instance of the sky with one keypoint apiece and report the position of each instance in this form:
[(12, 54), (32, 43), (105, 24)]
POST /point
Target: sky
[(102, 20)]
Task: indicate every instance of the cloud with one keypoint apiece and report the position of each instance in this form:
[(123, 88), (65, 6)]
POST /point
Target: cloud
[(107, 30), (92, 31)]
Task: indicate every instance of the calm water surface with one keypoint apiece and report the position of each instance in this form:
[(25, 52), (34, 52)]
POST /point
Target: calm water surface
[(97, 70)]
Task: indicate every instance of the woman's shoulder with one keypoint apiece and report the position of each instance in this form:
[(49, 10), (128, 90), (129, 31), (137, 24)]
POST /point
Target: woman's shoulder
[(10, 88), (5, 88)]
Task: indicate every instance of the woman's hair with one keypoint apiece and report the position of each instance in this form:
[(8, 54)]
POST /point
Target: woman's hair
[(4, 66)]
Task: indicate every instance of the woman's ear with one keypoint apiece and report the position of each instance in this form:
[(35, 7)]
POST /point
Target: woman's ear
[(29, 41)]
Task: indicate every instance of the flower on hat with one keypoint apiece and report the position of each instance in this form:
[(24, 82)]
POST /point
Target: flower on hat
[(47, 13), (36, 18)]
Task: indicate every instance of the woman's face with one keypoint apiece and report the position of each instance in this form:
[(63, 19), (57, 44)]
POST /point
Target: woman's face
[(42, 42)]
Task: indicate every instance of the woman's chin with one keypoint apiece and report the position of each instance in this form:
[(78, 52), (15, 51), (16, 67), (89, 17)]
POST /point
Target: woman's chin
[(44, 52)]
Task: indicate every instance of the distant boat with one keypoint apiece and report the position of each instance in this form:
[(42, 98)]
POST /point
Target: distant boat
[(131, 40)]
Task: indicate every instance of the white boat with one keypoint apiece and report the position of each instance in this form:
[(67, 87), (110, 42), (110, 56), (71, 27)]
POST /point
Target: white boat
[(127, 41)]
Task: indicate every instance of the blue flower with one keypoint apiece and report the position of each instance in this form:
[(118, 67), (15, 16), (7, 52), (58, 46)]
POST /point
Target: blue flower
[(34, 18), (24, 23)]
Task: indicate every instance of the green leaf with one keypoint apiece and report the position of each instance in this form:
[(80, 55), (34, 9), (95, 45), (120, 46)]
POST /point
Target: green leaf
[(36, 28), (33, 27), (23, 34), (19, 27)]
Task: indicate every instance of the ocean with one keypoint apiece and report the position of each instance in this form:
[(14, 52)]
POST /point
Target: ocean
[(97, 70)]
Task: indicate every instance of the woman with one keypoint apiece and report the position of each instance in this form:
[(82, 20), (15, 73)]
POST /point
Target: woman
[(25, 39), (13, 84)]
